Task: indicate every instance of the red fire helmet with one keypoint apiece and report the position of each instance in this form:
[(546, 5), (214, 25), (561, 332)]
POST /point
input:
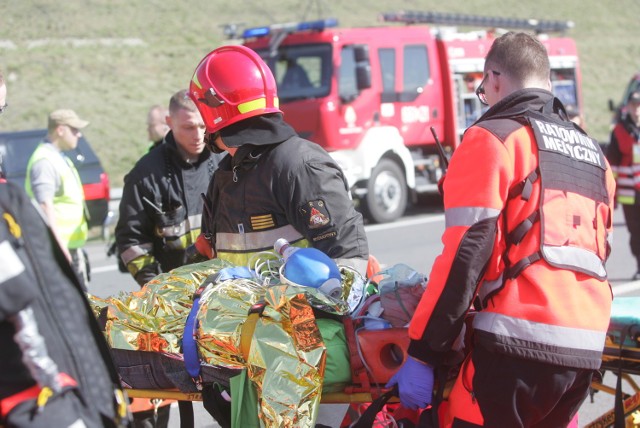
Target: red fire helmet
[(230, 84)]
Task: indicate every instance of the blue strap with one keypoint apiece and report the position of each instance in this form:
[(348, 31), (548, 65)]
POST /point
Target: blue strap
[(189, 347)]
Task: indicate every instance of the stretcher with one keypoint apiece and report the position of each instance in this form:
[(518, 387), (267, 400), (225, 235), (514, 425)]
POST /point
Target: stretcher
[(362, 391), (621, 357)]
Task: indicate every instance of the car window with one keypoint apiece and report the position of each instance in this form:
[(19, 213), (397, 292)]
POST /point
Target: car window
[(16, 149)]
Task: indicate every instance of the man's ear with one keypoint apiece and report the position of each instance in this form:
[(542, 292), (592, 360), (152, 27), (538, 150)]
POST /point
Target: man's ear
[(168, 120)]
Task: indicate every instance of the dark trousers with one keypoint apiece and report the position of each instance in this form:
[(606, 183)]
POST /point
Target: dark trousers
[(513, 392), (632, 218)]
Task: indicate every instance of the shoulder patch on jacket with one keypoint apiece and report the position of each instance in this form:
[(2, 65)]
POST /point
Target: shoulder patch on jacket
[(316, 213)]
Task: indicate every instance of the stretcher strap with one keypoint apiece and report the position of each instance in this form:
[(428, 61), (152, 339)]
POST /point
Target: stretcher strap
[(368, 418), (189, 345), (619, 403)]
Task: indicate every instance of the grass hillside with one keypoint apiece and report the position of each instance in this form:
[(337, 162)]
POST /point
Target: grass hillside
[(110, 60)]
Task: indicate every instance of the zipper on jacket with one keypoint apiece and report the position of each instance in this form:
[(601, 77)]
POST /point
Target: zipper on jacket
[(235, 174)]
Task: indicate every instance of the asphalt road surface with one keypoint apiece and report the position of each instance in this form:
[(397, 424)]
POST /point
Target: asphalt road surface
[(415, 241)]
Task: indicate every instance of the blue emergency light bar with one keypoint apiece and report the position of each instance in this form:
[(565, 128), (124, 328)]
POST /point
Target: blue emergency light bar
[(290, 27)]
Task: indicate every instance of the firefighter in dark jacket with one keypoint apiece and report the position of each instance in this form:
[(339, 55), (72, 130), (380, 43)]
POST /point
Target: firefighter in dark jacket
[(528, 201), (273, 184), (55, 365), (161, 205)]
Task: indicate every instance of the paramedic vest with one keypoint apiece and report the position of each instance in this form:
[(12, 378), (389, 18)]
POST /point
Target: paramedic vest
[(71, 223), (625, 173), (573, 211)]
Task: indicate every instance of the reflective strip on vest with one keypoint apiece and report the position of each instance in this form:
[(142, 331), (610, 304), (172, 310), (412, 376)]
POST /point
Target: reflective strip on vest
[(255, 241), (71, 224), (547, 334), (574, 256), (468, 216)]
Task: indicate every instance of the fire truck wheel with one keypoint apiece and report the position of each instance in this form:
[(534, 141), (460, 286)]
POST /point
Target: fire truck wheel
[(386, 198)]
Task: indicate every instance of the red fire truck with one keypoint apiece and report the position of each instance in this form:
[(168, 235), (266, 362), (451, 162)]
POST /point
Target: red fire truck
[(369, 96)]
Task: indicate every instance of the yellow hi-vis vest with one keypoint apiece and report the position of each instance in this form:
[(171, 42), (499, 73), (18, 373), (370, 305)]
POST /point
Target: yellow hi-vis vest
[(68, 207)]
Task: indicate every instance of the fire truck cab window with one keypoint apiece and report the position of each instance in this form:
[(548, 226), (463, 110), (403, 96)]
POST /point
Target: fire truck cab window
[(301, 72), (416, 71), (295, 76), (387, 59), (347, 85)]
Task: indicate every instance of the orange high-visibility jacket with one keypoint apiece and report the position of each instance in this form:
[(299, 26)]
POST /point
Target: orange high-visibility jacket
[(553, 308)]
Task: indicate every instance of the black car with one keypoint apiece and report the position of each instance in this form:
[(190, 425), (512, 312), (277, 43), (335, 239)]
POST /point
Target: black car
[(16, 149)]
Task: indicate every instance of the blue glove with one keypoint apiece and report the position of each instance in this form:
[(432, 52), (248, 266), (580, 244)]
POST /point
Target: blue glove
[(415, 384)]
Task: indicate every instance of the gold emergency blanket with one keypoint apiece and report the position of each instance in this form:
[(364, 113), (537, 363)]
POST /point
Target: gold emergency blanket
[(286, 359), (153, 318)]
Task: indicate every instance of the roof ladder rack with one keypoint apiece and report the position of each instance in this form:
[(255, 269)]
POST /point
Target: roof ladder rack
[(456, 19)]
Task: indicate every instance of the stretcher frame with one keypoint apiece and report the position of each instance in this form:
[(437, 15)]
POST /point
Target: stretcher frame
[(187, 420), (623, 361), (621, 356)]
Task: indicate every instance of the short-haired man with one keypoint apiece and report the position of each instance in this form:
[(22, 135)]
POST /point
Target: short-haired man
[(161, 205), (53, 181), (528, 204)]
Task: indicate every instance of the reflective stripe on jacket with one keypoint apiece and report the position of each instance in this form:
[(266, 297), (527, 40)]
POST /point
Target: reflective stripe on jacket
[(68, 207), (546, 313)]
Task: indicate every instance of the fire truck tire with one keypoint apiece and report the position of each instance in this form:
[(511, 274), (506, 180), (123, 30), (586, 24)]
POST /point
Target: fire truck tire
[(386, 198)]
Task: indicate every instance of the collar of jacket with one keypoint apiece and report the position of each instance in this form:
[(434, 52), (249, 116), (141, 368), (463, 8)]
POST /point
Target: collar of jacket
[(261, 130), (517, 103), (172, 147), (248, 155)]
